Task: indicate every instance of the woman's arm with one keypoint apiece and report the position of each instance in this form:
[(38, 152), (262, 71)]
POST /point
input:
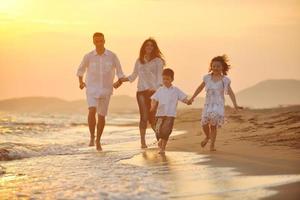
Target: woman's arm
[(198, 90), (160, 66), (233, 99), (132, 76)]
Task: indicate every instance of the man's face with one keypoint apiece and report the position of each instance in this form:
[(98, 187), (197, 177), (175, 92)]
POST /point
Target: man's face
[(167, 81), (99, 41)]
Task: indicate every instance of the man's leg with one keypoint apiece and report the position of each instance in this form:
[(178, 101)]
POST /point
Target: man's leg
[(100, 127), (103, 103), (92, 124)]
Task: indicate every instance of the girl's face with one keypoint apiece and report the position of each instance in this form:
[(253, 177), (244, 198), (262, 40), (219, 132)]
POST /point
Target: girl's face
[(216, 67), (149, 47)]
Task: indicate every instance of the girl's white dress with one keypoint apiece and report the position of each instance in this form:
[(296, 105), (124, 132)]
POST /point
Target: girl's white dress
[(213, 110)]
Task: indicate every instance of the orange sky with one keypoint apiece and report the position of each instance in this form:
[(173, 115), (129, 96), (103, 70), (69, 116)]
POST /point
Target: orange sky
[(43, 42)]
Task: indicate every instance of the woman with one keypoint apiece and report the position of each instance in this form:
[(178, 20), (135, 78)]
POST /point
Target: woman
[(148, 68)]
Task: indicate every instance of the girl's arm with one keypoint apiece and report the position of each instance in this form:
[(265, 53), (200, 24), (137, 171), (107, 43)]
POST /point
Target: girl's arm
[(154, 104), (233, 99), (198, 90)]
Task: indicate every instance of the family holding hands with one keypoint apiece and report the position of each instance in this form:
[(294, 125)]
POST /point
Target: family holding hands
[(157, 97)]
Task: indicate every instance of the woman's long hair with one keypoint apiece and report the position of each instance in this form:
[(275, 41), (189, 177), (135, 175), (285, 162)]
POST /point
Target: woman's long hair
[(156, 53)]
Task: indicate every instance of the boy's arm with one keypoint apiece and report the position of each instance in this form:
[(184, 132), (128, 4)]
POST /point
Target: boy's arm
[(233, 99), (154, 104), (186, 101), (198, 90)]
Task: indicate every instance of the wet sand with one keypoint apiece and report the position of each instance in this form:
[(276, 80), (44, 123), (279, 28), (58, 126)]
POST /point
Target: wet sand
[(255, 142)]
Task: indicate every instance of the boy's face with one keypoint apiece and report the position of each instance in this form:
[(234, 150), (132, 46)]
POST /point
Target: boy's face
[(167, 80), (217, 67)]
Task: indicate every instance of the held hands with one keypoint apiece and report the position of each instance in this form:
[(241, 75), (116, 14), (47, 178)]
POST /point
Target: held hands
[(82, 85), (117, 84), (190, 101)]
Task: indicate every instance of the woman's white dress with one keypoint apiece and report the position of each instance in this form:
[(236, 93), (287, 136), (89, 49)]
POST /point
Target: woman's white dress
[(213, 110)]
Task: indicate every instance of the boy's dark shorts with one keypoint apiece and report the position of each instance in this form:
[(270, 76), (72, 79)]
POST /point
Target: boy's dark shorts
[(164, 127)]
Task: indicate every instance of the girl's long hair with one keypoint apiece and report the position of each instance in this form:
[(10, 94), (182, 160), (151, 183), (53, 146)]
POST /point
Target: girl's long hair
[(223, 60), (156, 53)]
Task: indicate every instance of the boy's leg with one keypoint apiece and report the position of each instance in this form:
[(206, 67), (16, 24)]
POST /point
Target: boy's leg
[(206, 130), (166, 130), (213, 135), (157, 129)]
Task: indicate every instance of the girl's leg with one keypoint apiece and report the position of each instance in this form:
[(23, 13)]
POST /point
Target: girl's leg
[(143, 117), (213, 135), (206, 130)]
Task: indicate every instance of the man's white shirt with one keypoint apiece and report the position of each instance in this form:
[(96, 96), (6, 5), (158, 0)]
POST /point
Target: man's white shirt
[(167, 100), (100, 72)]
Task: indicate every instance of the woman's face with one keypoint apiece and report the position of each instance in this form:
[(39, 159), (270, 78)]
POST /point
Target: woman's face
[(149, 47), (216, 67)]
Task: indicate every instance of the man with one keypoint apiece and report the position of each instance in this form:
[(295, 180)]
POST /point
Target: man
[(100, 66)]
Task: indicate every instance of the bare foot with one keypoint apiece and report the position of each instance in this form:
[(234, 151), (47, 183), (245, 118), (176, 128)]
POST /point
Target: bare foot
[(98, 147), (204, 142), (162, 152), (144, 146), (213, 149), (92, 142)]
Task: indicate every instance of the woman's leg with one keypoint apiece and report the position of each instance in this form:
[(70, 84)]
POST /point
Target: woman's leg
[(213, 135), (141, 99), (206, 130)]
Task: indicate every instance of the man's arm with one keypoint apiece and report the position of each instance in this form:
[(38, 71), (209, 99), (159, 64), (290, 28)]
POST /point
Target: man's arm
[(81, 70)]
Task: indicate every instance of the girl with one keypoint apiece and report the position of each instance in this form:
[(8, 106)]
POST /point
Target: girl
[(216, 84), (148, 68)]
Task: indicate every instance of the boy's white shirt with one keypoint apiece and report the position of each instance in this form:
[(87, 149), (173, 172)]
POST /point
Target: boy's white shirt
[(167, 99), (100, 72)]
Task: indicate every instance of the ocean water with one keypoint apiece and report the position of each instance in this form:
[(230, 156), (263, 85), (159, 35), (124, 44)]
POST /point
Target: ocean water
[(47, 157)]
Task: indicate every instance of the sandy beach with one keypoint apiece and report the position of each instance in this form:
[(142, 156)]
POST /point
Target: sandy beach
[(255, 142), (46, 157)]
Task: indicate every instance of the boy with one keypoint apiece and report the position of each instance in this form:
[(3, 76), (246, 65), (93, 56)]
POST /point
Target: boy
[(166, 99)]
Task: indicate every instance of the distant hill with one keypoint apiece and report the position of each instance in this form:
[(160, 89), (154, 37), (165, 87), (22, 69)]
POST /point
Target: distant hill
[(269, 93), (55, 105)]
